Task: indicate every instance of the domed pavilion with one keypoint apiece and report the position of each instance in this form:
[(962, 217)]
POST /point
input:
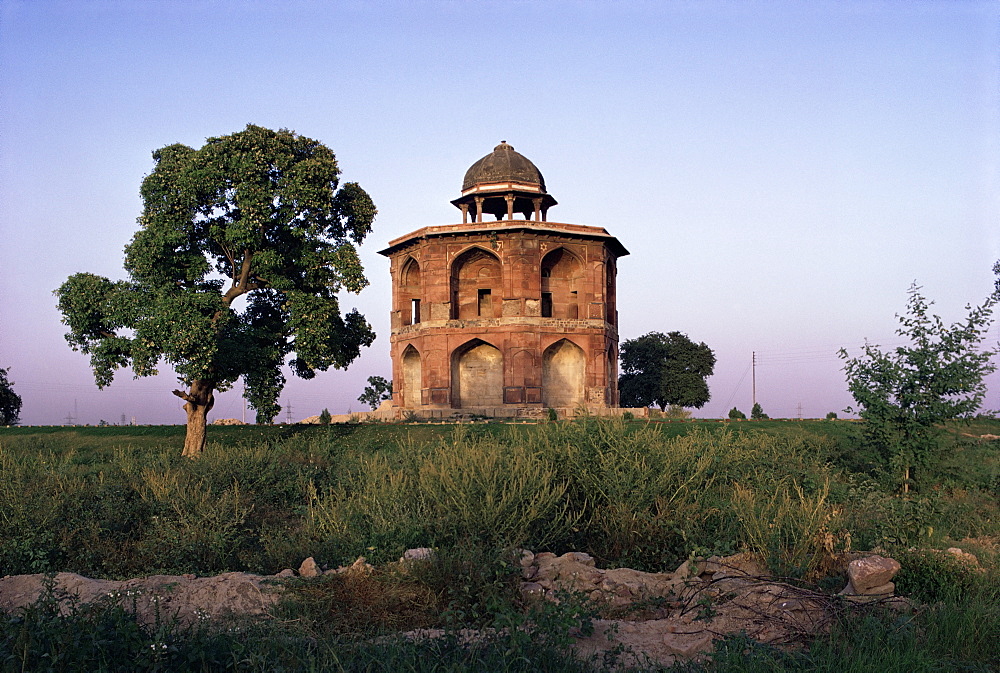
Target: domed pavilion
[(506, 317)]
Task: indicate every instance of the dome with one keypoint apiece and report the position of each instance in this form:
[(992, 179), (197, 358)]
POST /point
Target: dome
[(503, 165)]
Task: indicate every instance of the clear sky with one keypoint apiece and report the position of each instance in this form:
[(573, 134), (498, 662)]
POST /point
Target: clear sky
[(780, 171)]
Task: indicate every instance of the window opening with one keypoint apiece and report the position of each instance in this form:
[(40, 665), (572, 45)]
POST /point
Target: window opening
[(546, 304), (415, 311), (485, 304)]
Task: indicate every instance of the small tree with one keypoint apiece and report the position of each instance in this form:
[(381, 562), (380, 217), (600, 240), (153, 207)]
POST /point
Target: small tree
[(737, 415), (832, 416), (324, 417), (757, 413), (905, 393), (665, 369), (10, 402), (678, 412), (243, 247), (377, 390)]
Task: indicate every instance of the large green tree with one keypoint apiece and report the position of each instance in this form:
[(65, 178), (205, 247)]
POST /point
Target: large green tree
[(10, 402), (664, 369), (242, 249), (905, 393)]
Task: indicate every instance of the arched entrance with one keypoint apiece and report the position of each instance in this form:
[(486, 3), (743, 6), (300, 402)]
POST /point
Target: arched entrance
[(476, 376), (475, 285), (563, 369), (560, 271), (412, 378)]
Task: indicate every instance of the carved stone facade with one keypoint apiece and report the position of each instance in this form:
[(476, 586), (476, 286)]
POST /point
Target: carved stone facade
[(501, 318)]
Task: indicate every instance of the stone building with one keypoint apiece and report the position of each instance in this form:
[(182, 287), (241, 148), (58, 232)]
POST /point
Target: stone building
[(504, 317)]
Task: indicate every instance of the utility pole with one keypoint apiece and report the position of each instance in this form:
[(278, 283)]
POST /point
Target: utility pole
[(288, 409), (800, 411), (753, 364)]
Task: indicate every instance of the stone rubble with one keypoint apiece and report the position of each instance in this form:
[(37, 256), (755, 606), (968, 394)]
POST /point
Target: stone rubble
[(669, 616), (654, 617)]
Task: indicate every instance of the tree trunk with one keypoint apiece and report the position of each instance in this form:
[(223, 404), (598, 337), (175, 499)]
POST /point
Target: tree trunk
[(197, 403)]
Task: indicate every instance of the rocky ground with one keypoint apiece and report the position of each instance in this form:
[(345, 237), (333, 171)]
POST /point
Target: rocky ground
[(658, 617)]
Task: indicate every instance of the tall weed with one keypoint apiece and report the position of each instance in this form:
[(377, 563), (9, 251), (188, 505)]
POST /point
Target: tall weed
[(784, 526)]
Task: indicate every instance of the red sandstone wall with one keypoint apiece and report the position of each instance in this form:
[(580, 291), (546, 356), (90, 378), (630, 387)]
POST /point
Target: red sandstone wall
[(477, 285)]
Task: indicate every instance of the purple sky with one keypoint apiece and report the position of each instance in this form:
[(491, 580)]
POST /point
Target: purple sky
[(780, 171)]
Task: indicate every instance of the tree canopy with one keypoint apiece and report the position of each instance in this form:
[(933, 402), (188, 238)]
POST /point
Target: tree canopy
[(242, 249), (665, 369), (10, 402), (904, 393)]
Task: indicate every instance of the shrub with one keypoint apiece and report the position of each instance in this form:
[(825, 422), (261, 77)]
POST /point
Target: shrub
[(931, 575), (324, 417), (737, 415), (832, 416)]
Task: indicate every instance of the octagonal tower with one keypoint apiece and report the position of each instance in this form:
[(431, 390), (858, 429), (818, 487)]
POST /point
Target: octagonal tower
[(507, 317)]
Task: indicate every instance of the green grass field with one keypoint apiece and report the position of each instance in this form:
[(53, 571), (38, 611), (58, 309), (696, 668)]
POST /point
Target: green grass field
[(117, 502)]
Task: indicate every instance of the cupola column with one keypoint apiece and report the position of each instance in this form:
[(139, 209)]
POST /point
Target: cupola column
[(538, 209), (465, 212), (510, 206), (479, 208)]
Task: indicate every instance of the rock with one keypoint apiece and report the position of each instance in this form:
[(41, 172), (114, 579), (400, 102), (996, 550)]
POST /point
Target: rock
[(360, 566), (738, 565), (870, 572), (418, 554), (689, 569), (886, 589), (531, 590), (309, 568), (964, 556), (580, 557), (287, 572), (526, 559)]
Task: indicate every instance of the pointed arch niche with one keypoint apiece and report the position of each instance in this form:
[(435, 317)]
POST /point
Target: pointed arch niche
[(412, 378), (475, 285), (476, 376), (563, 369), (410, 292), (561, 272)]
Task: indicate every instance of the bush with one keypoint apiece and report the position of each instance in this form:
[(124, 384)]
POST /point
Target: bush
[(737, 415), (832, 416), (324, 417), (932, 575)]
